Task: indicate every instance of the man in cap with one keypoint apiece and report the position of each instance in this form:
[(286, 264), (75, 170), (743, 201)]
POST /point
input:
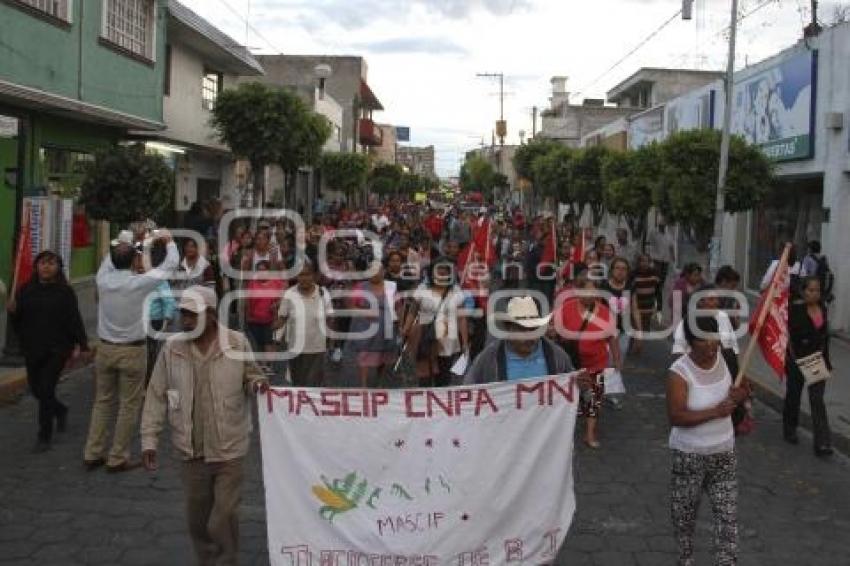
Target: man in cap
[(205, 378), (526, 353), (121, 358)]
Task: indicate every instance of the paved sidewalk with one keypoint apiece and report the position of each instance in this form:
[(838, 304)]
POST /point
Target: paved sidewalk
[(837, 396), (793, 507)]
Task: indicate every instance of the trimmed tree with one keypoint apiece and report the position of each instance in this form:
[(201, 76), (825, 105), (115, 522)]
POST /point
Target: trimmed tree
[(125, 184), (586, 187), (345, 172), (551, 173), (527, 154), (477, 175), (385, 179), (629, 178), (688, 180), (269, 126)]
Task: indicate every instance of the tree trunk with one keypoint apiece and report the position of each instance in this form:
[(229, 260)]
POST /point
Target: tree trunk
[(259, 188)]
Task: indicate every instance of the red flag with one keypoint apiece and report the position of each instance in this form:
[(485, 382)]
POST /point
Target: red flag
[(484, 243), (475, 261), (580, 249), (23, 253), (773, 337), (464, 257), (550, 246)]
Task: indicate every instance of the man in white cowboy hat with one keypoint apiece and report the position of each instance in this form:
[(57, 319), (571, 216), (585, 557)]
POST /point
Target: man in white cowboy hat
[(204, 381), (527, 353)]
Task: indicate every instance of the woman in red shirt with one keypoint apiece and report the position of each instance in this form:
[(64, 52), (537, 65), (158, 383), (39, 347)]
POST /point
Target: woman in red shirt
[(593, 333)]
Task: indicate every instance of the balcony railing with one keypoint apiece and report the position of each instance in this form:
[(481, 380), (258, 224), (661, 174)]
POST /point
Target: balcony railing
[(370, 134)]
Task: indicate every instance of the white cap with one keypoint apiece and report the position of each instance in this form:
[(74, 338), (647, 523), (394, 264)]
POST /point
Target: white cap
[(197, 299)]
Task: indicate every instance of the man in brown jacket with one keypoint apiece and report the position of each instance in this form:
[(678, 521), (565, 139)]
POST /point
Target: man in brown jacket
[(204, 382)]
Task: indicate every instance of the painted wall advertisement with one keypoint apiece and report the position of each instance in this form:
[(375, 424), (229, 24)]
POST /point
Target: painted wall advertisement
[(419, 477), (774, 108)]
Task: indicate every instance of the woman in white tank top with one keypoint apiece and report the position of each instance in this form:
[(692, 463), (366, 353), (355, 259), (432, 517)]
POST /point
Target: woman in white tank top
[(700, 401)]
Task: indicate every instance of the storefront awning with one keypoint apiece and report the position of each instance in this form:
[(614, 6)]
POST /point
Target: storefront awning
[(39, 100), (368, 98)]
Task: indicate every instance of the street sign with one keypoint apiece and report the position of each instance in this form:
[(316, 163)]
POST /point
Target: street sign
[(402, 133)]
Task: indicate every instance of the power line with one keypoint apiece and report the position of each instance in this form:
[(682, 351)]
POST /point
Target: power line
[(248, 25), (646, 40)]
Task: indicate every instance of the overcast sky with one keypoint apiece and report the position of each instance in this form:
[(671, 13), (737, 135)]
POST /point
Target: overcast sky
[(423, 55)]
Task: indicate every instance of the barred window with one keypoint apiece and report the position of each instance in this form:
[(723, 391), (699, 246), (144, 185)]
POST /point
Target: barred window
[(57, 8), (130, 24), (210, 87)]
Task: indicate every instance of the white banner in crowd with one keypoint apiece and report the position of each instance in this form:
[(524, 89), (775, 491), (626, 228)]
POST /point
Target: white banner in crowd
[(470, 476)]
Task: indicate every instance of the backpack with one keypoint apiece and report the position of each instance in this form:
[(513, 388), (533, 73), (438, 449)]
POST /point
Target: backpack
[(825, 275)]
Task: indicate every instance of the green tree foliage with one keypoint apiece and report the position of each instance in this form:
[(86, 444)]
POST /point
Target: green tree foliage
[(412, 183), (688, 179), (527, 154), (629, 179), (346, 172), (586, 187), (268, 126), (124, 184), (477, 175), (385, 179), (551, 172)]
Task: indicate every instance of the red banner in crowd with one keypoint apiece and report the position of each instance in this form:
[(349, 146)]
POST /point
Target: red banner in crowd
[(773, 337), (23, 253)]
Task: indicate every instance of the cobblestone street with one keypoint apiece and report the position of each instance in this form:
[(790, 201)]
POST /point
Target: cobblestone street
[(794, 508)]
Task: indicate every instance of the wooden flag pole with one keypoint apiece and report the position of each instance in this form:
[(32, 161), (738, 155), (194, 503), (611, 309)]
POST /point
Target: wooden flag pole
[(771, 293)]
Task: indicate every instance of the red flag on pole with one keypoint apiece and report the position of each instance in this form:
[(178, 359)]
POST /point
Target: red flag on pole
[(484, 243), (580, 249), (773, 335), (23, 254)]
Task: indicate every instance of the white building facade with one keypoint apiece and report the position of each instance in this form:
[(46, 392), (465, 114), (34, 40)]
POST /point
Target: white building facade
[(796, 106), (201, 62)]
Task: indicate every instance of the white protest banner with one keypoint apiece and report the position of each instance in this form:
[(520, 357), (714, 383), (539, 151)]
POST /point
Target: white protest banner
[(469, 476)]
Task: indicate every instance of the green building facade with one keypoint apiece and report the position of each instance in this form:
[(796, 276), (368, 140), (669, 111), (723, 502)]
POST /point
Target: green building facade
[(75, 76)]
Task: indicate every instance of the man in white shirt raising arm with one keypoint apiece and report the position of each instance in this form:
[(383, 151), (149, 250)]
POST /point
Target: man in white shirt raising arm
[(121, 356)]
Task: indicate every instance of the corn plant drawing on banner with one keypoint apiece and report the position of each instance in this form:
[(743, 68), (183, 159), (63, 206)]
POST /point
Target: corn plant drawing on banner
[(465, 475)]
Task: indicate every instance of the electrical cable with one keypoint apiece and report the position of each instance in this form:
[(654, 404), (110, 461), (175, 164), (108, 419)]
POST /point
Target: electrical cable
[(236, 13), (637, 47)]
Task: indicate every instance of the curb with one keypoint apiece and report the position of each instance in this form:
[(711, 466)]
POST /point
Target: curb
[(12, 385), (13, 382), (840, 442)]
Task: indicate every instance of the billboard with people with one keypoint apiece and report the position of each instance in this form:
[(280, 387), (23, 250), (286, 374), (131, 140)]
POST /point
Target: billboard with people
[(774, 108)]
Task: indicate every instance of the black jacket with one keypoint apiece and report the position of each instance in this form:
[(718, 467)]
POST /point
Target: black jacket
[(47, 319), (804, 338)]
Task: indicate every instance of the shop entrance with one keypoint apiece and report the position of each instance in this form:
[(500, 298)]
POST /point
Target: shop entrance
[(794, 212)]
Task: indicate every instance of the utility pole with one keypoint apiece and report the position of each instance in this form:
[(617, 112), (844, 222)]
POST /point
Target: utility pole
[(501, 125), (533, 122), (720, 205)]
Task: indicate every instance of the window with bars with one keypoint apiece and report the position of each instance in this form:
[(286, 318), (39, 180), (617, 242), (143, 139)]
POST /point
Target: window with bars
[(210, 87), (129, 24), (57, 8)]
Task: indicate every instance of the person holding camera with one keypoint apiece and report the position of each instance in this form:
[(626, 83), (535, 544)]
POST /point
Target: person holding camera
[(121, 358)]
